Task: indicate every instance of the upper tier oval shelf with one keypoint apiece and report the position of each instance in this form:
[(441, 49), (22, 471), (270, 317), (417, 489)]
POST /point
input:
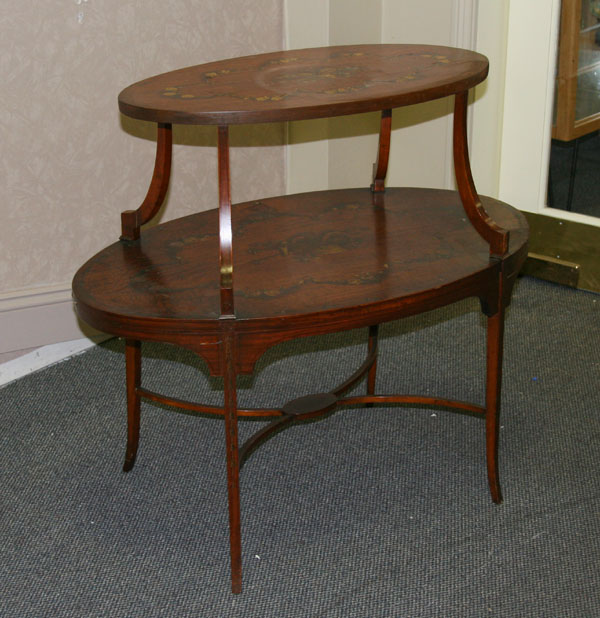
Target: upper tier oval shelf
[(300, 84)]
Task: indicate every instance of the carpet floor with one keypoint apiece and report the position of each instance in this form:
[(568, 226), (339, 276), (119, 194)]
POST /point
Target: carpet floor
[(367, 513)]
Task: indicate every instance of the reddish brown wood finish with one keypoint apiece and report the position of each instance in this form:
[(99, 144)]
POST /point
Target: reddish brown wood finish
[(306, 83), (482, 222), (133, 363), (225, 231), (373, 336), (495, 347), (304, 264), (383, 152), (132, 220), (332, 259), (228, 353)]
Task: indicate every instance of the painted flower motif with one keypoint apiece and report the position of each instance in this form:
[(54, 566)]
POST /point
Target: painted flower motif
[(348, 54), (213, 74), (264, 98), (283, 61), (340, 90)]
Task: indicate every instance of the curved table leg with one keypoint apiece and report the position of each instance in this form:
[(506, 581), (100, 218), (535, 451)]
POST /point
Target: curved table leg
[(131, 220), (488, 229), (233, 464), (133, 370), (495, 336), (383, 152)]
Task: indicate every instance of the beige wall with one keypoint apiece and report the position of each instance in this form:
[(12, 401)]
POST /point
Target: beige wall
[(340, 152), (69, 164), (486, 140), (420, 152), (353, 145)]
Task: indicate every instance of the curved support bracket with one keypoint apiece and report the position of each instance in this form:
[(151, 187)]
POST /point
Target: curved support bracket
[(383, 152), (496, 236), (132, 220), (225, 232)]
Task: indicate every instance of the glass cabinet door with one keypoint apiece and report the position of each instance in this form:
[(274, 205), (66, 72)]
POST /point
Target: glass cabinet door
[(577, 95)]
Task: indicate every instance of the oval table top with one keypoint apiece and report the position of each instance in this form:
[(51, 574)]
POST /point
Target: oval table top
[(329, 252), (307, 83)]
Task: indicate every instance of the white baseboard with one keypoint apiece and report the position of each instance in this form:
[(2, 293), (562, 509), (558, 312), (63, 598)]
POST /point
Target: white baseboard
[(39, 317), (44, 357)]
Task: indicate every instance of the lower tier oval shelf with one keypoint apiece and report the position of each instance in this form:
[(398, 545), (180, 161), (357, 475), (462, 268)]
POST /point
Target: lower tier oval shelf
[(327, 254)]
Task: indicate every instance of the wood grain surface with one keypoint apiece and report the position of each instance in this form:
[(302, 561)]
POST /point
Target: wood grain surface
[(308, 253), (308, 83)]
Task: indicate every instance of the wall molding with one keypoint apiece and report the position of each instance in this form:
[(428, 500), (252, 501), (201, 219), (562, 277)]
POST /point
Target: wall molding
[(40, 316), (34, 297), (43, 357)]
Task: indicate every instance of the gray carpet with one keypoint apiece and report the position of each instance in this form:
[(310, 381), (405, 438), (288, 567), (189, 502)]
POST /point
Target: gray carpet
[(370, 512)]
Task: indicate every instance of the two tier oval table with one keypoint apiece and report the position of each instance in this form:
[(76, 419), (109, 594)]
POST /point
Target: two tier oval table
[(228, 283)]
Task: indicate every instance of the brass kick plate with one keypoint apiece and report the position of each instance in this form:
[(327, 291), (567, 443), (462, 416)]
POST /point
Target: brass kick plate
[(551, 269), (563, 251)]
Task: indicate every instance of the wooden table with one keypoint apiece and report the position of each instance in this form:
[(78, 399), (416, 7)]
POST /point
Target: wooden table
[(231, 282)]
